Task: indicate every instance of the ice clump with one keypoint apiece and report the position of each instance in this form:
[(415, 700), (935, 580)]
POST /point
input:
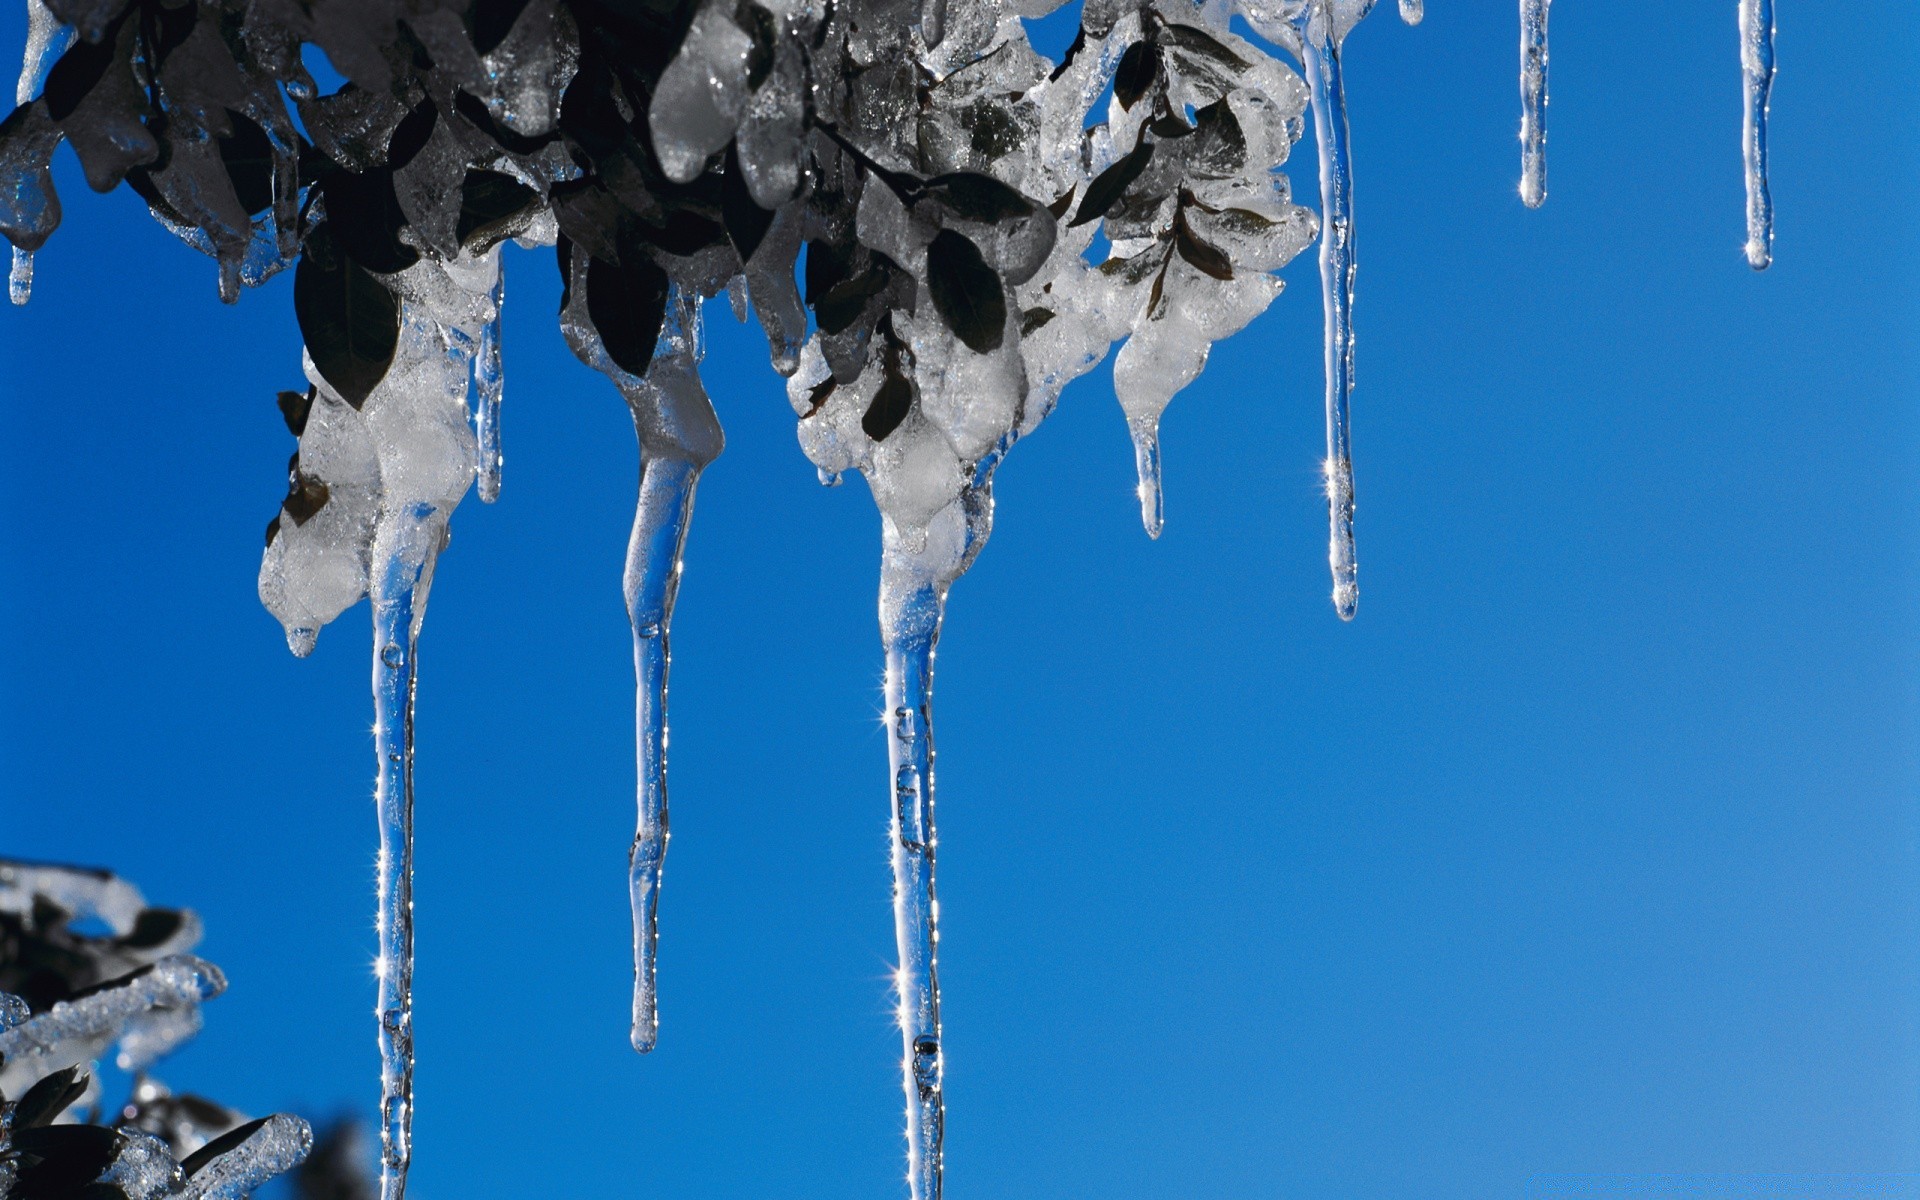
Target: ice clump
[(148, 1013)]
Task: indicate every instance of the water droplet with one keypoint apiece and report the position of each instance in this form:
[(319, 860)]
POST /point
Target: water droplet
[(649, 630), (828, 478), (903, 726), (301, 640), (392, 655)]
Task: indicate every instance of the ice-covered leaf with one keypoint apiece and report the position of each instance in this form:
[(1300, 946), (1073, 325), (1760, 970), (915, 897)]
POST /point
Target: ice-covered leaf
[(627, 303), (1135, 75), (1109, 185), (349, 319), (966, 291)]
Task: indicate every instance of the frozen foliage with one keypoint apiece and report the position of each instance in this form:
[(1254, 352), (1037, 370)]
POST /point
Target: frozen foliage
[(160, 1146), (937, 228)]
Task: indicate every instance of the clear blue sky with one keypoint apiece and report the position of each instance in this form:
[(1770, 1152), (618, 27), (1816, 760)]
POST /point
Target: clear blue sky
[(1589, 847)]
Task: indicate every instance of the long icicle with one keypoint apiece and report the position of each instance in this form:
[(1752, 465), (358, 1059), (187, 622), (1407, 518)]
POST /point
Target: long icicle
[(1533, 102), (1756, 69), (679, 435), (488, 385), (403, 557), (1321, 58), (910, 627), (660, 521)]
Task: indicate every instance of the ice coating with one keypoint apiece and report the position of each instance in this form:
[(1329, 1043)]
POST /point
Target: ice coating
[(144, 1168), (678, 435), (277, 1145), (148, 1013), (1756, 72), (1533, 102), (83, 893)]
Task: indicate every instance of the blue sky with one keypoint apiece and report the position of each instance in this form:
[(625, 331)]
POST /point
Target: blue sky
[(1588, 848)]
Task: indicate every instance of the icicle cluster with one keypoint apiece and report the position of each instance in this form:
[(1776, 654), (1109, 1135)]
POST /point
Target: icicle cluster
[(68, 997), (937, 186)]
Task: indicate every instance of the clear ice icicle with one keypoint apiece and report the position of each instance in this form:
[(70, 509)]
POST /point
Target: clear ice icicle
[(1412, 11), (1321, 58), (1533, 102), (488, 384), (910, 627), (403, 557), (1146, 461), (1756, 69), (20, 277), (660, 522)]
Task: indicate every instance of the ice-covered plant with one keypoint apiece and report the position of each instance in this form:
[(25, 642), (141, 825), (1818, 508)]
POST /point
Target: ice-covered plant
[(67, 997), (937, 227)]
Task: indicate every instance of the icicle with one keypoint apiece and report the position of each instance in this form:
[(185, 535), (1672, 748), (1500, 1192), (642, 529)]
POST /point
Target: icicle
[(1146, 461), (403, 556), (488, 384), (1533, 102), (660, 522), (1756, 68), (910, 614), (1321, 57), (47, 39), (1412, 11), (20, 278)]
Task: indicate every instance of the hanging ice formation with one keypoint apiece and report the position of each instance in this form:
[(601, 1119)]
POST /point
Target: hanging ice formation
[(1756, 70), (133, 989), (1533, 102), (940, 181)]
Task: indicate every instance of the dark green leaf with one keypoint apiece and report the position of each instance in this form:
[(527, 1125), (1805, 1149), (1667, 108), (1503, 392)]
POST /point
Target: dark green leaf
[(196, 1162), (1203, 44), (1033, 319), (1206, 258), (70, 1157), (894, 400), (1135, 74), (365, 217), (627, 303), (350, 321), (250, 161), (818, 397), (294, 406), (410, 135), (491, 206), (79, 70), (305, 494), (972, 196), (49, 1098), (747, 223), (1109, 185), (966, 291)]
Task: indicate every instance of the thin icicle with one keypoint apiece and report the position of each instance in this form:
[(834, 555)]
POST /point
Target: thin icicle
[(1321, 57), (1756, 69), (488, 385), (1412, 11), (660, 522), (20, 278), (403, 555), (679, 435), (1146, 462), (910, 627), (1533, 102)]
